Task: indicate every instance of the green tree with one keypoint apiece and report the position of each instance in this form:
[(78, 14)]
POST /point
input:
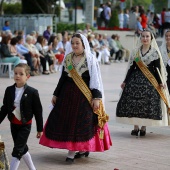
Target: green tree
[(38, 6), (159, 4), (12, 8), (1, 7), (144, 3)]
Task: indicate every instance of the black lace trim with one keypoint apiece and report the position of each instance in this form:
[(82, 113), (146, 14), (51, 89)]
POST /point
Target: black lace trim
[(146, 52)]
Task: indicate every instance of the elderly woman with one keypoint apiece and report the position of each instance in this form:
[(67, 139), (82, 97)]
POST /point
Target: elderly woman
[(44, 57), (34, 53)]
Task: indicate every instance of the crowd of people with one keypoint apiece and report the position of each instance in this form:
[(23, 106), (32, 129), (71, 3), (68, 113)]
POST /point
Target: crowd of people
[(136, 18), (44, 53), (104, 14), (82, 127), (41, 52), (147, 19)]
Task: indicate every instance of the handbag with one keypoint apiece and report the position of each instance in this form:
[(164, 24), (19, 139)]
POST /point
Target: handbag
[(4, 162)]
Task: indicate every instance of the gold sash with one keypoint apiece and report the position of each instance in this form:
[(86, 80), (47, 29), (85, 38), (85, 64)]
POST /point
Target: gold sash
[(102, 116), (151, 78)]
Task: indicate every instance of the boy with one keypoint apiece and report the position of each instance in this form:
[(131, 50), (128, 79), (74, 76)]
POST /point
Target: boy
[(20, 103)]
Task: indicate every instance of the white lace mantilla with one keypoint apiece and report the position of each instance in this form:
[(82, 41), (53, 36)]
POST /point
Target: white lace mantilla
[(163, 50), (147, 58)]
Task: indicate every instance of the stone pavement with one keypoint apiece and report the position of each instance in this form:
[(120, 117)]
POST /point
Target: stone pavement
[(151, 152)]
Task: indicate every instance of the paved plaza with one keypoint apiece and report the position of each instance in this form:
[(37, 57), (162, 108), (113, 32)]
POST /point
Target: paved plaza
[(151, 152)]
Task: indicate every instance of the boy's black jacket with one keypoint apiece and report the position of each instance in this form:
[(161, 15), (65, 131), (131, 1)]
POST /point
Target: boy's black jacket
[(30, 105)]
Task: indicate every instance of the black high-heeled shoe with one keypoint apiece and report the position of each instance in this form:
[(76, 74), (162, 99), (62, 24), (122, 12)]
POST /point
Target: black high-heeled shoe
[(79, 155), (69, 160), (135, 132), (142, 132)]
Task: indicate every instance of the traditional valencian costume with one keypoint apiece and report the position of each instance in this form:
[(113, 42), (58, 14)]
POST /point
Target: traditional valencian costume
[(143, 102), (72, 124)]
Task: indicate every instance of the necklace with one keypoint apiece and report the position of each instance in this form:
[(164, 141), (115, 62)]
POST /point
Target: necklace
[(76, 55)]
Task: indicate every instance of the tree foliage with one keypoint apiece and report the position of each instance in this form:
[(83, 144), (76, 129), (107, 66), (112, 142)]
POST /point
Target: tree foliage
[(159, 4), (70, 27), (12, 8), (38, 6), (144, 3), (1, 7)]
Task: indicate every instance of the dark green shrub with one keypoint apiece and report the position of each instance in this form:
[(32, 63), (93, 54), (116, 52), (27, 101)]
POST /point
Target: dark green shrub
[(114, 21), (70, 27)]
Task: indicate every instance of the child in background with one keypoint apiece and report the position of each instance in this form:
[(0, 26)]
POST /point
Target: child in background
[(20, 103)]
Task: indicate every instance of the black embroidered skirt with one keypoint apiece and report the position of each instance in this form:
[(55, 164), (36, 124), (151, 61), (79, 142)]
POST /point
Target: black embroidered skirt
[(72, 118), (139, 99)]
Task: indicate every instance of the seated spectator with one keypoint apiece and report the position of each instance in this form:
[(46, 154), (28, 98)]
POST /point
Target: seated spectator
[(105, 41), (105, 54), (34, 35), (93, 48), (9, 34), (64, 44), (57, 52), (126, 52), (15, 34), (114, 49), (87, 30), (13, 50), (22, 50), (59, 37), (22, 34), (34, 53), (43, 50), (6, 56)]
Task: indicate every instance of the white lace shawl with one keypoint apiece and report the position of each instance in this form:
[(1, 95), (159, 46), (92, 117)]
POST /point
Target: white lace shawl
[(147, 59), (153, 54), (93, 67), (163, 50)]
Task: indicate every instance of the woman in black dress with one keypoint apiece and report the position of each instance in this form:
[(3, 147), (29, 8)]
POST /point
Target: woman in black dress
[(140, 103)]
